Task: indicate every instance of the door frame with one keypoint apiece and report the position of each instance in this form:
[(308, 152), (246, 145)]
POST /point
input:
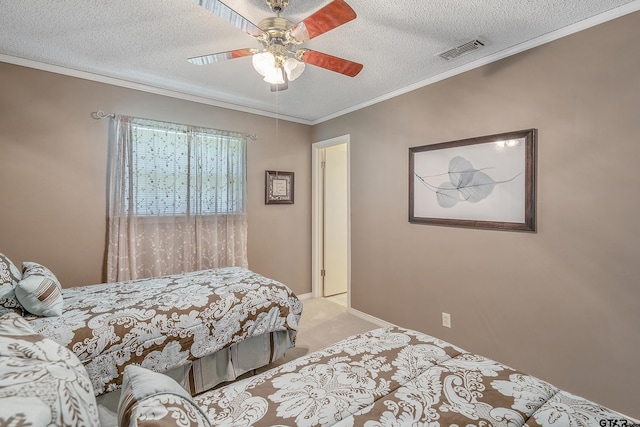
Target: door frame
[(316, 214)]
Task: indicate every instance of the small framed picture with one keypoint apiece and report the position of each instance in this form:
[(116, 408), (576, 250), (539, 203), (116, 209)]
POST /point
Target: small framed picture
[(278, 187)]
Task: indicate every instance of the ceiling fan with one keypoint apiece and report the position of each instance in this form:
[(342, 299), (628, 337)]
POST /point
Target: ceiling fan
[(281, 59)]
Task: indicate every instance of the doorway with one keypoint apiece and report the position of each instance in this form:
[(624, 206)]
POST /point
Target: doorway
[(331, 225)]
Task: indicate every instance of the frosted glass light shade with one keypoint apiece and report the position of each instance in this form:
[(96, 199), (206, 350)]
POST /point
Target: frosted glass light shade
[(293, 68), (275, 76), (264, 63)]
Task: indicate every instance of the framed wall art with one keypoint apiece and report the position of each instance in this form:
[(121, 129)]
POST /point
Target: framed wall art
[(485, 182), (278, 187)]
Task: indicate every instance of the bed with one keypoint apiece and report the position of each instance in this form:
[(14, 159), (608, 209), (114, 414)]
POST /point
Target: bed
[(202, 328), (385, 377)]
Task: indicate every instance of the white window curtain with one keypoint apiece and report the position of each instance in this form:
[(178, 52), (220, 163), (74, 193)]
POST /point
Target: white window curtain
[(177, 199)]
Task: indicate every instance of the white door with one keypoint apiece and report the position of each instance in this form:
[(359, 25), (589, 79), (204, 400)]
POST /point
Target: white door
[(335, 223)]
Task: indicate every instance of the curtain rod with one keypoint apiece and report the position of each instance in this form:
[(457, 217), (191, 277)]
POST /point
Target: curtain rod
[(99, 115)]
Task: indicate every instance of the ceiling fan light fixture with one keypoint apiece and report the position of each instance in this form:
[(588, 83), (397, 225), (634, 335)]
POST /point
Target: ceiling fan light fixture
[(275, 76), (293, 68), (264, 63), (281, 60), (300, 33)]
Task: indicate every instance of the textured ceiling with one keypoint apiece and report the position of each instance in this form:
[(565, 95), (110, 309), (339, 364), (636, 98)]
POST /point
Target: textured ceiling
[(147, 42)]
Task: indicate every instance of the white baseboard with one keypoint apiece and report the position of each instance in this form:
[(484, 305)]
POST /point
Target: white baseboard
[(369, 318), (354, 312)]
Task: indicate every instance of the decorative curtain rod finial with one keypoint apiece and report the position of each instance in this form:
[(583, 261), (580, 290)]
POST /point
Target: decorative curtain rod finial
[(98, 115)]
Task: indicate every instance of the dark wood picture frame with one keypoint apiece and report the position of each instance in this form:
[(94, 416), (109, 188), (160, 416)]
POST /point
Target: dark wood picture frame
[(278, 187), (487, 182)]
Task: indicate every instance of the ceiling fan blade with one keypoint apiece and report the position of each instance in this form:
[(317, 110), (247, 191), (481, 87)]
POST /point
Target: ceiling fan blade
[(333, 15), (222, 56), (231, 16), (332, 63)]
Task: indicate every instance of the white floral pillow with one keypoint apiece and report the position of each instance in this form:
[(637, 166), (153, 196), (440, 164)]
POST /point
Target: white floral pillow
[(150, 399), (9, 278), (41, 382), (39, 291)]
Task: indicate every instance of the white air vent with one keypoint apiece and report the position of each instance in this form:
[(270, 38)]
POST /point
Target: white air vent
[(461, 50)]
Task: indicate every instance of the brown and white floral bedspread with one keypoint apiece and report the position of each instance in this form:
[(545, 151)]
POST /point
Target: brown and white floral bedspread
[(165, 322), (398, 377)]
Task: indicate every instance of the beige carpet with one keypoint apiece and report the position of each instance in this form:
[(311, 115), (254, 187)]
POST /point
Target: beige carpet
[(323, 323)]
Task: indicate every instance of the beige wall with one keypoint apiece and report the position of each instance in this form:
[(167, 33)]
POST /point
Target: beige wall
[(53, 159), (563, 303)]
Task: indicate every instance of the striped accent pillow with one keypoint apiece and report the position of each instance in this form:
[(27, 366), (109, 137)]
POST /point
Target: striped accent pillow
[(150, 399), (39, 291)]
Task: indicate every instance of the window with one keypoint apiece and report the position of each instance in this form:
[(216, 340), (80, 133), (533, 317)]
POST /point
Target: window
[(177, 199), (180, 170)]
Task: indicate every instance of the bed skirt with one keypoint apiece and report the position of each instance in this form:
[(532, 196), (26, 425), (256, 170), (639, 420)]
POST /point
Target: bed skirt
[(225, 365)]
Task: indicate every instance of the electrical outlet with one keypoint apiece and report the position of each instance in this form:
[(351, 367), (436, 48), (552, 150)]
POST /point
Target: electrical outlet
[(446, 320)]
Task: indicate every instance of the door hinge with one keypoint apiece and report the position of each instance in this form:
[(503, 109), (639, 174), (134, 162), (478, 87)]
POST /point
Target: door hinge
[(323, 273), (323, 165)]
